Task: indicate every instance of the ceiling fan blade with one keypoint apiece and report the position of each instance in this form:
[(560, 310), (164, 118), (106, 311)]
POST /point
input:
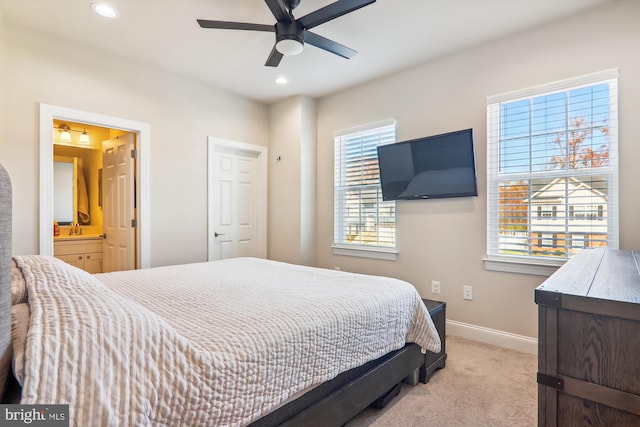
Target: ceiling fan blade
[(332, 11), (279, 10), (274, 58), (227, 25), (328, 45)]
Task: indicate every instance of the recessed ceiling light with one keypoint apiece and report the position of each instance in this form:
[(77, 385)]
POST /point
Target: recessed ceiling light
[(104, 9), (282, 80)]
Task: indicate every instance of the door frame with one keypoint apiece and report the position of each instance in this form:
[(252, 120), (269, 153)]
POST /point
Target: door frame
[(142, 130), (217, 145)]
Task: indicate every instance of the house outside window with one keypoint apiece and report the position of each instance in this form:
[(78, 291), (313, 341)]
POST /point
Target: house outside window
[(552, 171), (364, 224)]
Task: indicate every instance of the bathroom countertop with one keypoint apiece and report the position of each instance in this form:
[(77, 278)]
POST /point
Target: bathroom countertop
[(78, 237)]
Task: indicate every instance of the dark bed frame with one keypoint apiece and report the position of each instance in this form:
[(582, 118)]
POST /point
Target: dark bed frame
[(331, 404), (335, 402)]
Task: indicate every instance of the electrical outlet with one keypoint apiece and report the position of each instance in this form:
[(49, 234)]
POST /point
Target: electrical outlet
[(467, 292), (435, 287)]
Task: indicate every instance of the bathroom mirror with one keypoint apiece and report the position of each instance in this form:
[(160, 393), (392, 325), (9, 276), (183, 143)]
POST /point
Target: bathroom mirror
[(64, 190)]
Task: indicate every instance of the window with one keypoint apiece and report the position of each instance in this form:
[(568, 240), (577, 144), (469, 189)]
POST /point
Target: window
[(552, 171), (364, 225)]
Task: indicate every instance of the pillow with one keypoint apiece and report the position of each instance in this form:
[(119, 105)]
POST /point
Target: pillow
[(20, 314), (18, 285)]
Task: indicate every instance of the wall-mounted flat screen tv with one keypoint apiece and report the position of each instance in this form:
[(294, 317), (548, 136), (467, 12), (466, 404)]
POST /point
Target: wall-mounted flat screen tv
[(427, 168)]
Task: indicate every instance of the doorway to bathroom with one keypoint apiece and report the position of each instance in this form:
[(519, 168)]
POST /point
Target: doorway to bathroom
[(115, 159)]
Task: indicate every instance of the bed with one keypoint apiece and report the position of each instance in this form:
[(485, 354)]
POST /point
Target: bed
[(237, 342)]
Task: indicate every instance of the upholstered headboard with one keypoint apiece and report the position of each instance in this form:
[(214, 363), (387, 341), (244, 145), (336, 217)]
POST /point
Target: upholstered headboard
[(5, 277)]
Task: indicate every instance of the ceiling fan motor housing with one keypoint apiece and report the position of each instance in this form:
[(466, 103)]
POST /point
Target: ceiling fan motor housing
[(289, 30), (292, 31)]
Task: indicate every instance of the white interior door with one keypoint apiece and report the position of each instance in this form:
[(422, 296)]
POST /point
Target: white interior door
[(237, 200), (118, 204)]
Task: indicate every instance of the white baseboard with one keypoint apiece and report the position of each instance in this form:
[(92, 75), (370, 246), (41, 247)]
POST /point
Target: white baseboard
[(493, 337)]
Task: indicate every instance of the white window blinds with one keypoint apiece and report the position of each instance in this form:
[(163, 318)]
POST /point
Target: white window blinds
[(361, 218), (552, 168)]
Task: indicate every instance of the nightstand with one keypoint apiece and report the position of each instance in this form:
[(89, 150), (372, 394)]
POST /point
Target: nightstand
[(433, 361)]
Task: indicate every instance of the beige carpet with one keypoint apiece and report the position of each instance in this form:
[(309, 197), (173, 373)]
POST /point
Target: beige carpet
[(481, 385)]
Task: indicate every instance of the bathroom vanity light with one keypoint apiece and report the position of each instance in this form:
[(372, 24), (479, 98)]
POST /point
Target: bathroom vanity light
[(84, 137), (65, 133)]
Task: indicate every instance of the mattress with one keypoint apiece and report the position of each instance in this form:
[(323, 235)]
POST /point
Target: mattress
[(216, 343)]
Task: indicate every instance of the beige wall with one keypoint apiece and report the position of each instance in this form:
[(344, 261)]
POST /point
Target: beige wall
[(181, 114), (292, 180), (308, 181), (445, 240)]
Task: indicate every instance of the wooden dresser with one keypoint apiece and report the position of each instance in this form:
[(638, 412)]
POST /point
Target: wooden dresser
[(589, 341)]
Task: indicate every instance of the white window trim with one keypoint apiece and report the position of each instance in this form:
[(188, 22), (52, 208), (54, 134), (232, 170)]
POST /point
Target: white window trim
[(363, 251), (613, 73), (364, 128), (544, 266), (522, 265)]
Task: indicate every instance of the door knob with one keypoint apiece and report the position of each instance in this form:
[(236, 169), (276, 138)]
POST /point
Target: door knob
[(216, 234)]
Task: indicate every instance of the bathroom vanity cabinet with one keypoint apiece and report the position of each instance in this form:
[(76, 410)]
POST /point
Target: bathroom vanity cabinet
[(79, 251)]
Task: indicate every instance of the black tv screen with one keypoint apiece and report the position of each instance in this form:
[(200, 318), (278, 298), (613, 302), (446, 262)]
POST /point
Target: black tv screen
[(427, 168)]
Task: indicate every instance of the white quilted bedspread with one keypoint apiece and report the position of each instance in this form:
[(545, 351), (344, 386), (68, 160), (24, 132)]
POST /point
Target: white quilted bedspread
[(208, 344)]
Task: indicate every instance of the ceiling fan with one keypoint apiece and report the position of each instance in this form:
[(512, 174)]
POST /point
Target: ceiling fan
[(291, 33)]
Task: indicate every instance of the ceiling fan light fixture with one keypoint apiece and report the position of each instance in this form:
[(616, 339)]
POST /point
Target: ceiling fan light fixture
[(289, 45)]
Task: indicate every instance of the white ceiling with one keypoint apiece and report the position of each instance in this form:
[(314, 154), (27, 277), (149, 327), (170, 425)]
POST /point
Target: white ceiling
[(389, 35)]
